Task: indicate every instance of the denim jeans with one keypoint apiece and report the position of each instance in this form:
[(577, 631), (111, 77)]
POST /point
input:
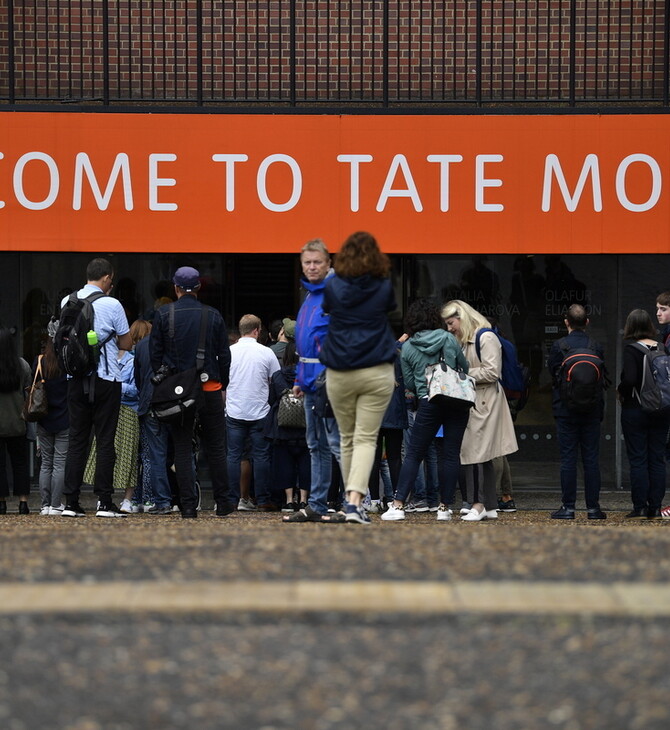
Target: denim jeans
[(645, 436), (579, 433), (261, 455), (154, 455), (323, 442), (429, 417), (426, 486), (53, 451)]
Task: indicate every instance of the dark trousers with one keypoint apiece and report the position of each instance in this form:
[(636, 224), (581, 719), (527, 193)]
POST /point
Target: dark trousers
[(576, 434), (213, 440), (645, 437), (393, 439), (291, 465), (429, 417), (17, 448), (101, 415)]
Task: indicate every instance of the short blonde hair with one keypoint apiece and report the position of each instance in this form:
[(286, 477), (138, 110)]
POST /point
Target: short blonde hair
[(249, 323), (471, 319), (316, 244)]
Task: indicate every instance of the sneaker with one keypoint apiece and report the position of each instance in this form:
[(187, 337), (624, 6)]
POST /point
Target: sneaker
[(433, 507), (45, 510), (126, 506), (73, 509), (108, 510), (57, 510), (507, 506), (419, 506), (246, 505), (289, 507), (160, 510), (444, 514), (375, 507), (146, 507), (393, 514), (356, 513)]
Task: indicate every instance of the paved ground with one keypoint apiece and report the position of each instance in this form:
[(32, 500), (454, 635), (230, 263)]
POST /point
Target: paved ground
[(247, 623)]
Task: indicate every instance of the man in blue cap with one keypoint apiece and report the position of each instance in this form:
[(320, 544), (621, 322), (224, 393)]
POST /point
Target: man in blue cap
[(175, 345)]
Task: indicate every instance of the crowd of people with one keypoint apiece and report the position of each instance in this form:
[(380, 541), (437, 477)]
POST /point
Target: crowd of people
[(326, 417)]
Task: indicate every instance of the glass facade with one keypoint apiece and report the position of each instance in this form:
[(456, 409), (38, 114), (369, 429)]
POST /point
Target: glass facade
[(526, 295)]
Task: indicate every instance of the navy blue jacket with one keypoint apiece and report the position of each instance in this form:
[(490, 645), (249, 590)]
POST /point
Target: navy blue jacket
[(179, 352), (143, 375), (57, 419), (577, 339), (396, 413), (359, 335)]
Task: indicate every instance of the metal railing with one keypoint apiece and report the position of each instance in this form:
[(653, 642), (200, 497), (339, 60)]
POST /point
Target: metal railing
[(377, 53)]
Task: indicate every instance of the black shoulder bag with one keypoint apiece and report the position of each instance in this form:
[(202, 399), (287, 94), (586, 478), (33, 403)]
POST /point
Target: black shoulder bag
[(177, 396)]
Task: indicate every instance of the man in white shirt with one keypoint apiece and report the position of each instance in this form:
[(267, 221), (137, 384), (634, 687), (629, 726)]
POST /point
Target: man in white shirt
[(251, 368)]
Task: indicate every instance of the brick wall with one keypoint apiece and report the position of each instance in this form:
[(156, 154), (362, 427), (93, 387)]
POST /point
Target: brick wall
[(424, 51)]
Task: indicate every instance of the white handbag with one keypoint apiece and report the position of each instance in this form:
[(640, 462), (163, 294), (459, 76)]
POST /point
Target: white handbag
[(453, 385)]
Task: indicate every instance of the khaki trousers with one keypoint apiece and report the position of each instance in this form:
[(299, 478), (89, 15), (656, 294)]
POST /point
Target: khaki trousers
[(359, 399)]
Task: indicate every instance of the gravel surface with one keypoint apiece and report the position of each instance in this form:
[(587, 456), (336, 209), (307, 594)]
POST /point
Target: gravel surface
[(334, 670)]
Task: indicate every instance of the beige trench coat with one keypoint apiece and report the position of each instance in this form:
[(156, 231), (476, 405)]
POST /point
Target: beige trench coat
[(490, 431)]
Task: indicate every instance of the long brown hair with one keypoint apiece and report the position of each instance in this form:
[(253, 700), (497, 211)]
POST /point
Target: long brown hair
[(360, 255), (50, 366)]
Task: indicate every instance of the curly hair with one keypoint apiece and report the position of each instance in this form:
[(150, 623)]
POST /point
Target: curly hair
[(361, 255), (423, 314)]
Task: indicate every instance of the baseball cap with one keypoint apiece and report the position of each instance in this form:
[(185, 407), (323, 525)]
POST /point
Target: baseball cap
[(187, 278), (289, 328)]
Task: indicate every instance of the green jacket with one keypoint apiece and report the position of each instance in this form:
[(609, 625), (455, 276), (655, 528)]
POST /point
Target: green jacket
[(425, 348)]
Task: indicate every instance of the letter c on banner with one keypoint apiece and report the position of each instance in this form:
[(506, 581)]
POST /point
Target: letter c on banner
[(261, 187), (54, 181)]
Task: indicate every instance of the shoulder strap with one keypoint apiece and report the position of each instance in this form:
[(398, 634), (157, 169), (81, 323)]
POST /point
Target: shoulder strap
[(171, 321), (200, 355), (93, 296), (478, 347)]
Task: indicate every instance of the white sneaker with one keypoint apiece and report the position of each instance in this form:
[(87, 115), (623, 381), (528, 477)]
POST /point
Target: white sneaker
[(45, 510), (443, 513), (56, 510), (393, 514), (147, 507), (127, 507)]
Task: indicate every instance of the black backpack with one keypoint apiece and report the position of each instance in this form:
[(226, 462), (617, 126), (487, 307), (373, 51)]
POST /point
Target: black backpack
[(75, 355), (654, 393), (582, 377)]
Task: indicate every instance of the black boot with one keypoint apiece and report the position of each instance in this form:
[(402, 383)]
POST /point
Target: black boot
[(3, 507), (23, 508)]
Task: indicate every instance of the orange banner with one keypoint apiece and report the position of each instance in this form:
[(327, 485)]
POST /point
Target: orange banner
[(261, 183)]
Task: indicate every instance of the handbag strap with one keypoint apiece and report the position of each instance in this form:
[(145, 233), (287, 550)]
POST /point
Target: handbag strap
[(38, 371)]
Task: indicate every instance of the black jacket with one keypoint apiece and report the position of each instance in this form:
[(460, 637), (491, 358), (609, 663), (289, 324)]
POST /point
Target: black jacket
[(577, 339), (281, 380), (179, 353)]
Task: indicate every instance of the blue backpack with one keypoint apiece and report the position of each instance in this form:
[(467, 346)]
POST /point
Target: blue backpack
[(515, 377)]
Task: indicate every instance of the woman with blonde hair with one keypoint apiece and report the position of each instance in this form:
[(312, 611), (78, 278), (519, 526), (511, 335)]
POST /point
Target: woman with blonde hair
[(490, 431)]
